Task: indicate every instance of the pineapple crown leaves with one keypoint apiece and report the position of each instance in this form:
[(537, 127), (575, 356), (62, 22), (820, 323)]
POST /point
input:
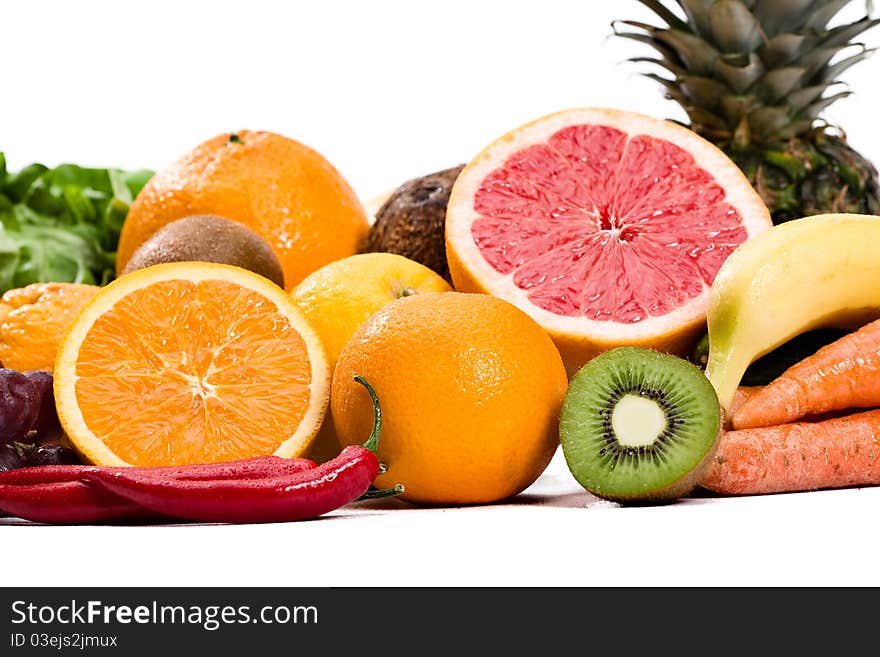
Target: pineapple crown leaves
[(751, 70)]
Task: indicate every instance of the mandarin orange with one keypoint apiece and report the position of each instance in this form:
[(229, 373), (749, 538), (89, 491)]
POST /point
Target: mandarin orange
[(34, 318)]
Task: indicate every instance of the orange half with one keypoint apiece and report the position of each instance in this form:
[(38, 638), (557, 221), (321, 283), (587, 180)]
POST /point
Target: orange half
[(190, 363)]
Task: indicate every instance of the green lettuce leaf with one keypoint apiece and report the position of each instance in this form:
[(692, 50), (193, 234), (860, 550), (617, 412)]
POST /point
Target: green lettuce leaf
[(62, 224)]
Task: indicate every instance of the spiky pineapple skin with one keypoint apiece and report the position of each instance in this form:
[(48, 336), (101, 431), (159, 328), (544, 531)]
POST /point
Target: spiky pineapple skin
[(819, 173)]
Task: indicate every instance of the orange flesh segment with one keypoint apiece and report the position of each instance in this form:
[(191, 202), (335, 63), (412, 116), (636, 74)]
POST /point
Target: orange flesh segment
[(182, 372)]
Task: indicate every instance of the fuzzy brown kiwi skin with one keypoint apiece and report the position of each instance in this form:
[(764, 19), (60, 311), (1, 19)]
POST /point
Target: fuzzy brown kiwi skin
[(411, 221), (680, 488), (209, 238)]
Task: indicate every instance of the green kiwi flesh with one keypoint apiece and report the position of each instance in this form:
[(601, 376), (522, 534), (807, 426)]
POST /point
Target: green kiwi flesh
[(639, 426)]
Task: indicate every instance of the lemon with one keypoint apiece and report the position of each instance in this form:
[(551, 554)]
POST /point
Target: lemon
[(337, 298)]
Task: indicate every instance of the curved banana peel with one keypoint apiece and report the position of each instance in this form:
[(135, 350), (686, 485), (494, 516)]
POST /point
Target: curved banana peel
[(817, 272)]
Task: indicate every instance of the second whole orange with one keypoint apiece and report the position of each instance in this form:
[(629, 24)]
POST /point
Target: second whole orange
[(283, 190), (470, 389)]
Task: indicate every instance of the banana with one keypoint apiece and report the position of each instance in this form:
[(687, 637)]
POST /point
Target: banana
[(817, 272)]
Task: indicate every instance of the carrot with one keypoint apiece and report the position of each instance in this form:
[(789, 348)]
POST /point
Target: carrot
[(800, 456), (742, 395), (842, 375)]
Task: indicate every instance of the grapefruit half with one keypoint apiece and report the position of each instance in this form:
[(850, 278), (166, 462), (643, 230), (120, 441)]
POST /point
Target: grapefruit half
[(607, 227)]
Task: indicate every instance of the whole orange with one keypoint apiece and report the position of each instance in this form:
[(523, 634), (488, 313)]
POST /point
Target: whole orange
[(470, 389), (286, 192), (34, 318)]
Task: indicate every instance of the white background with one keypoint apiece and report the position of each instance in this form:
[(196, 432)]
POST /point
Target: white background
[(388, 91)]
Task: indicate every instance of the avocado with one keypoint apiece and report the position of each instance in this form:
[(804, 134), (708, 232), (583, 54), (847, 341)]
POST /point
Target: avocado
[(412, 221), (209, 238)]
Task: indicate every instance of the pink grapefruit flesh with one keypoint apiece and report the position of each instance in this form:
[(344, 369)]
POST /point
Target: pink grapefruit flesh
[(607, 227)]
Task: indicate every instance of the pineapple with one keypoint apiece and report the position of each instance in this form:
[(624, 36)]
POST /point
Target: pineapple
[(754, 77)]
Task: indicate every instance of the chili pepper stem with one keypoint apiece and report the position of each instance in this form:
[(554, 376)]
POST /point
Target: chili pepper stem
[(377, 493), (372, 442)]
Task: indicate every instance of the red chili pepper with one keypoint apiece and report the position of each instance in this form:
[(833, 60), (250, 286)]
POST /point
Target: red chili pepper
[(296, 496), (56, 493), (274, 499), (68, 502), (261, 489)]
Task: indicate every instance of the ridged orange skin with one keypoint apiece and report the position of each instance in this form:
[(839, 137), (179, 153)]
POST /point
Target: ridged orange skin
[(575, 350), (286, 192), (33, 320), (470, 389)]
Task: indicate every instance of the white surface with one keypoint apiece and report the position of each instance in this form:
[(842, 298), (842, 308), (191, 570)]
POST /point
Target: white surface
[(388, 91), (554, 535)]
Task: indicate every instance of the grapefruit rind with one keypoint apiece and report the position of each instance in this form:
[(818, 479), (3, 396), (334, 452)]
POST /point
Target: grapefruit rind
[(580, 338), (81, 436)]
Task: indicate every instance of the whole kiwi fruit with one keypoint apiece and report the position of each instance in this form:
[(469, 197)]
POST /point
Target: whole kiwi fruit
[(412, 221), (208, 238)]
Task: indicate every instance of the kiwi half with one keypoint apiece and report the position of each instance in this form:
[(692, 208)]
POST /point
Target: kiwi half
[(639, 426)]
